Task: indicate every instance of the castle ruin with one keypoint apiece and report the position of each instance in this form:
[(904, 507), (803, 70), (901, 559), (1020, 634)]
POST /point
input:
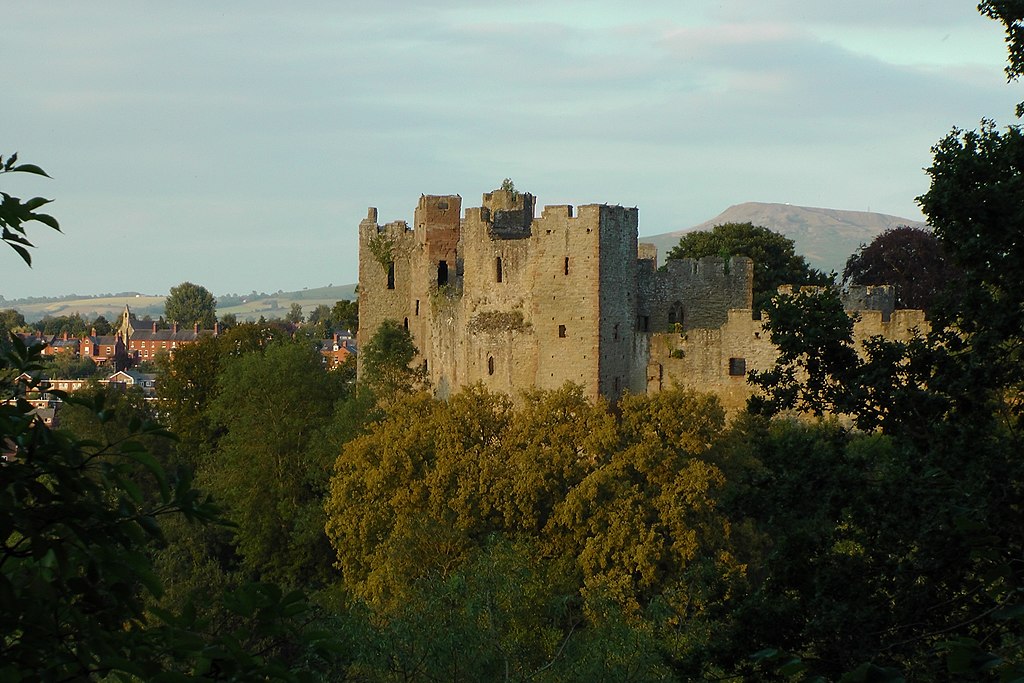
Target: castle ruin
[(512, 300)]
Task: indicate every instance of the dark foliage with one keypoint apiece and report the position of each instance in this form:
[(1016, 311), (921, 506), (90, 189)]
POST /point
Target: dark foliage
[(775, 259), (911, 259)]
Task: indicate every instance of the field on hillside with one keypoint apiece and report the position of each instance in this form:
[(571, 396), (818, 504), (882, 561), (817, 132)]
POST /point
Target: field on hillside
[(89, 308), (278, 305)]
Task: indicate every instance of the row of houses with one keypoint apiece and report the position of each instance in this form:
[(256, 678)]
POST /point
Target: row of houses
[(134, 341), (131, 342), (46, 404)]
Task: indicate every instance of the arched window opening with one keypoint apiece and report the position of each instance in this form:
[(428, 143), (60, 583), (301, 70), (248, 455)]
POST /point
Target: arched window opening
[(406, 323), (490, 365)]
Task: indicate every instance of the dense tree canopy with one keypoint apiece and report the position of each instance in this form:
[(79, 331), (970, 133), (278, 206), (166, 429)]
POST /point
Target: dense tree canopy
[(80, 518), (188, 304), (386, 361), (269, 467), (910, 259), (929, 539), (775, 259)]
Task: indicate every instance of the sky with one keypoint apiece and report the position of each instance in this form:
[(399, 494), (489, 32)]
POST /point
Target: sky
[(237, 145)]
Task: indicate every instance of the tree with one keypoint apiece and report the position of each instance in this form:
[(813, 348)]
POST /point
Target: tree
[(269, 467), (345, 315), (228, 320), (1011, 14), (14, 213), (73, 325), (10, 320), (927, 535), (189, 304), (910, 259), (101, 325), (775, 259), (294, 315), (386, 361)]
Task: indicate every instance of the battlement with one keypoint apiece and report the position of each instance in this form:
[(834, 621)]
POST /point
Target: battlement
[(647, 252), (368, 227), (708, 267), (870, 298), (439, 210)]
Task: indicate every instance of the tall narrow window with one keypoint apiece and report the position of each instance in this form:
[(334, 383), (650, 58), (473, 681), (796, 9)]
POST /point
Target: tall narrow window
[(417, 306), (442, 273), (497, 268), (391, 275), (561, 331), (566, 265), (406, 323), (490, 365), (615, 332)]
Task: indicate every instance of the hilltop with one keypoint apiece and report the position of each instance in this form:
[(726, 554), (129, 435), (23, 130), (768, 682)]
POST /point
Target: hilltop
[(826, 237)]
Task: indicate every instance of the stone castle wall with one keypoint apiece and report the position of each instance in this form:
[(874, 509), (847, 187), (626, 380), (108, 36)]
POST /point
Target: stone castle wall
[(513, 300), (718, 359)]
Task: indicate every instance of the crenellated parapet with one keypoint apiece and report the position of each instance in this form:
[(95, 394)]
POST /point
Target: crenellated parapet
[(511, 298)]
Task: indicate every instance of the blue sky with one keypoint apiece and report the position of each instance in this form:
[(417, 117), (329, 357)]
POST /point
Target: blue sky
[(239, 144)]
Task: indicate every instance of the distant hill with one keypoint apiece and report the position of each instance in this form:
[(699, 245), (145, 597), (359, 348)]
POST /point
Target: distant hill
[(826, 237), (245, 307), (278, 305)]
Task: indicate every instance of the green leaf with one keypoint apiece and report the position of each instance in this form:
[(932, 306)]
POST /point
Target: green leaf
[(28, 168), (47, 219)]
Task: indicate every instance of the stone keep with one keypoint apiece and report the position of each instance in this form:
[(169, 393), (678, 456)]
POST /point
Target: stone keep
[(513, 301)]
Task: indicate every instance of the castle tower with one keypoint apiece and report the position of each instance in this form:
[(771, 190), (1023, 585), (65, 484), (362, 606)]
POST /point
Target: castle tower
[(508, 299)]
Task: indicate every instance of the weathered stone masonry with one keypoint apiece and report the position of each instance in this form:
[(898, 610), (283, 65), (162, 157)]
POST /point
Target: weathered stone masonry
[(514, 300)]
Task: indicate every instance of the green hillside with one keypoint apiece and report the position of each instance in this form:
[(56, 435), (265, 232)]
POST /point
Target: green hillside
[(249, 307)]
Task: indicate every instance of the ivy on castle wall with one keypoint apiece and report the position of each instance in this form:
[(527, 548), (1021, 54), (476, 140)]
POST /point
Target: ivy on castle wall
[(383, 249), (497, 321)]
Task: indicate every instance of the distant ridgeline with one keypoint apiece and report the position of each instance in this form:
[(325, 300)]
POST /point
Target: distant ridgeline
[(514, 301), (244, 306)]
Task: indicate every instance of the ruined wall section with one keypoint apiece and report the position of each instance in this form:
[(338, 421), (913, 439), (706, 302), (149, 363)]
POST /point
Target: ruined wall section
[(498, 346), (717, 360), (435, 269), (565, 296), (714, 360), (387, 256), (620, 369), (870, 298), (698, 293), (900, 325)]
